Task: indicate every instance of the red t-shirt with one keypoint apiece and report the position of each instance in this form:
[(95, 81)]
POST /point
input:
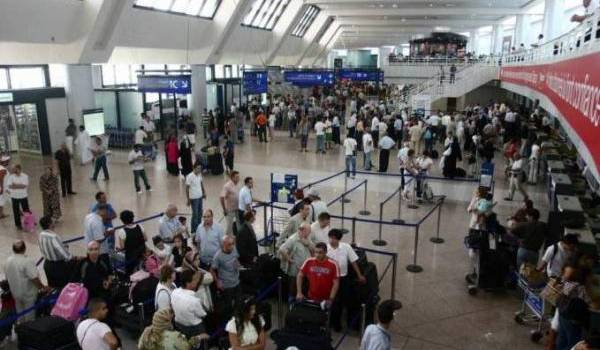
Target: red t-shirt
[(320, 275)]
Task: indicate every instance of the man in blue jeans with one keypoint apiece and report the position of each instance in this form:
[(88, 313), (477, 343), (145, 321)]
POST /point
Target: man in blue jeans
[(99, 152), (195, 194), (350, 153)]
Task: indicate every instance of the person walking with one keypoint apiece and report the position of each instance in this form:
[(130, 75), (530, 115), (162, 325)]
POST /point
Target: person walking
[(320, 133), (378, 336), (3, 191), (63, 160), (195, 193), (99, 152), (304, 129), (228, 153), (350, 154), (50, 195), (172, 155), (261, 124), (17, 184), (516, 173), (70, 134), (136, 159)]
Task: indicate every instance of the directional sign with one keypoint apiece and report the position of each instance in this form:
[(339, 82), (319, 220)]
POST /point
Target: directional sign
[(310, 78), (256, 83), (360, 75), (169, 84)]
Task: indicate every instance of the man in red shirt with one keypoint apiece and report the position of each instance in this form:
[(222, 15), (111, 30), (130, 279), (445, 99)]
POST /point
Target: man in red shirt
[(323, 276), (261, 123)]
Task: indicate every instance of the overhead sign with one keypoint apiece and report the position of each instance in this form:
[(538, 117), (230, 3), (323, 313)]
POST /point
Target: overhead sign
[(168, 84), (310, 78), (360, 75), (6, 97), (572, 87), (256, 83)]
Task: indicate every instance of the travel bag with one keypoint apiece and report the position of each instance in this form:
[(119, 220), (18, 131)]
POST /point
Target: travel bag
[(215, 164), (143, 291), (285, 339), (307, 318), (71, 301), (47, 333)]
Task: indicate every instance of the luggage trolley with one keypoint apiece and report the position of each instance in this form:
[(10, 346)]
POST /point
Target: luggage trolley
[(533, 309)]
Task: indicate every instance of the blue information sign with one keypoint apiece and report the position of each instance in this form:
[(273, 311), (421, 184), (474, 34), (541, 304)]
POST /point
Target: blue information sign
[(361, 75), (256, 83), (310, 78), (168, 84), (283, 187)]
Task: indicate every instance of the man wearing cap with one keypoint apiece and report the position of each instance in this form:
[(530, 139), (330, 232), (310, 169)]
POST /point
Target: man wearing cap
[(3, 175), (377, 336), (317, 206)]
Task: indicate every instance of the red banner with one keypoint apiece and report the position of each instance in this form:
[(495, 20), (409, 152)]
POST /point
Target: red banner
[(573, 86)]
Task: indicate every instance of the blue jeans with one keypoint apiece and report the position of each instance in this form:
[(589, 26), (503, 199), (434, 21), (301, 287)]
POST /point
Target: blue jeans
[(367, 160), (569, 334), (100, 163), (526, 256), (320, 143), (196, 213), (350, 165)]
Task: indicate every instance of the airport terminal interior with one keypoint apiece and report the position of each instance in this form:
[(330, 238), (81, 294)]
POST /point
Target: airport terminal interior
[(299, 174)]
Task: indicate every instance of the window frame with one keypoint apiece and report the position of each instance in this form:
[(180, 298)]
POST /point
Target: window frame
[(306, 21), (199, 16), (269, 22), (7, 68)]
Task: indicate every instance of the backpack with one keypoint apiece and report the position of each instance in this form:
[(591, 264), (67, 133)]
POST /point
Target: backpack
[(72, 299)]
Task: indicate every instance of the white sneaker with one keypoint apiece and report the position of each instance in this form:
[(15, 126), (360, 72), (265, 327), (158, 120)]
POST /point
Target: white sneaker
[(139, 192)]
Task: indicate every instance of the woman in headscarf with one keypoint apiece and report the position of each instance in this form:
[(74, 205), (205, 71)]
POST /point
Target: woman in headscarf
[(50, 194), (160, 335), (172, 152)]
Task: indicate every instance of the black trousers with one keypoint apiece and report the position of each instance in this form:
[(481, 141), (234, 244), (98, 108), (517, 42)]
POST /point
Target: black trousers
[(19, 205), (66, 185), (58, 273), (342, 300), (384, 159)]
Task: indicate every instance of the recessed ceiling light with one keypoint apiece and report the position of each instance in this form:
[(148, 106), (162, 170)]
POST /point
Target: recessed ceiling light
[(395, 5), (430, 5), (381, 5), (403, 19)]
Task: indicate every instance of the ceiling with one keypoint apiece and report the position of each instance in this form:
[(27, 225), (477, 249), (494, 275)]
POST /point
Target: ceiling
[(374, 23)]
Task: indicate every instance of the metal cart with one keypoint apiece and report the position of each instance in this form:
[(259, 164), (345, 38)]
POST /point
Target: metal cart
[(534, 310)]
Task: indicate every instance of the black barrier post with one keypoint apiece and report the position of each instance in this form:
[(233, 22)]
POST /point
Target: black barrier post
[(365, 211), (353, 229), (394, 268), (363, 322), (380, 242), (437, 238), (344, 199), (265, 242), (344, 231), (399, 220), (279, 302), (414, 267)]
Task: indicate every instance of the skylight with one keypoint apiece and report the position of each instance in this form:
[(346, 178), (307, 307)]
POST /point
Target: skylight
[(306, 21), (196, 8), (264, 14)]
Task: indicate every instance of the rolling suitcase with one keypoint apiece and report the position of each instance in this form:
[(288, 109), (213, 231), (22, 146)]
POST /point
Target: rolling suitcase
[(307, 318), (285, 339), (215, 164), (47, 333)]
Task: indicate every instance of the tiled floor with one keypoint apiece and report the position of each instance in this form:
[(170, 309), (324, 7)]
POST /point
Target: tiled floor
[(438, 313)]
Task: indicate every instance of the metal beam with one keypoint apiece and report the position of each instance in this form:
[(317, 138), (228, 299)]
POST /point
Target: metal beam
[(281, 39), (233, 17), (426, 11), (470, 22)]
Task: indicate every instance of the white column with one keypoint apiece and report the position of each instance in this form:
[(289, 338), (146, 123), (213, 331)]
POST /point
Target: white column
[(79, 88), (198, 102), (471, 43), (553, 21), (497, 37), (384, 53), (523, 33)]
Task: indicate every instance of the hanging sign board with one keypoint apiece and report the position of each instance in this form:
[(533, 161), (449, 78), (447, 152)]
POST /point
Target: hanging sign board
[(167, 84), (256, 83), (283, 187)]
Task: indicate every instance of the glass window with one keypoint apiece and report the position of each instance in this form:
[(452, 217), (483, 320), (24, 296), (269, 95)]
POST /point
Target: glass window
[(209, 73), (264, 14), (3, 79), (108, 75), (122, 74), (26, 78), (157, 69), (219, 71), (151, 97), (306, 21), (198, 8)]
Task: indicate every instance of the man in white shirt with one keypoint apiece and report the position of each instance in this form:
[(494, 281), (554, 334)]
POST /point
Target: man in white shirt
[(140, 136), (4, 160), (317, 205), (195, 194), (402, 159), (350, 154), (245, 198), (516, 172), (229, 200), (368, 148), (558, 254), (94, 230), (187, 307), (343, 254), (385, 146), (136, 159), (375, 130), (351, 125), (16, 184), (398, 129), (291, 120), (534, 163), (319, 230), (92, 333), (320, 132)]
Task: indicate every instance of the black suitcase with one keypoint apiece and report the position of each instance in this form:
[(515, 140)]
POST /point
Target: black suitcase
[(215, 164), (307, 318), (265, 310), (47, 333), (268, 268), (460, 172), (131, 319), (285, 339), (249, 280), (143, 291)]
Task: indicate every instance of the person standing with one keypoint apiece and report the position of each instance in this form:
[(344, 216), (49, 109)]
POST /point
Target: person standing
[(95, 230), (335, 125), (320, 132), (367, 141), (272, 120), (322, 274), (186, 151), (50, 195), (99, 152), (516, 177), (385, 146), (17, 184), (70, 134), (84, 142), (350, 154), (205, 121), (149, 129), (57, 259), (3, 191), (93, 333), (140, 136), (172, 155), (225, 269), (452, 74), (63, 160), (261, 124), (228, 153), (136, 159), (131, 239), (195, 193), (245, 198), (377, 336), (187, 307), (291, 120), (303, 129), (169, 225), (294, 251), (24, 280), (246, 242), (229, 200), (415, 132), (208, 238)]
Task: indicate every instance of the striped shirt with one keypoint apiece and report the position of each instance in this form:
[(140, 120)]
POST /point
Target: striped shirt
[(52, 248)]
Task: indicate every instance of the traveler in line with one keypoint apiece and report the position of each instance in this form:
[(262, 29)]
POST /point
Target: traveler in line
[(208, 238), (164, 288), (187, 307), (245, 198), (246, 243), (368, 148), (294, 251), (225, 269), (377, 336), (160, 334), (322, 274), (195, 194), (93, 333), (246, 328), (63, 160), (58, 262), (386, 144), (169, 225), (132, 240), (95, 231), (229, 200)]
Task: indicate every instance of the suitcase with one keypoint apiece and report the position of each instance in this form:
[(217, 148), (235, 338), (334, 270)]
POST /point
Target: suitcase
[(143, 291), (269, 269), (131, 319), (285, 339), (47, 333), (71, 301), (215, 164), (307, 318), (249, 280)]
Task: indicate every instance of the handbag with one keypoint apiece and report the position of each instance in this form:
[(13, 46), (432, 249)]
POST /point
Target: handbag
[(552, 292), (532, 275)]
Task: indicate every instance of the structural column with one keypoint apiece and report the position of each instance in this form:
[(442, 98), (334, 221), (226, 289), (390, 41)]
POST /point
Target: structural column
[(384, 53), (522, 31), (471, 46), (553, 21), (198, 102), (497, 37)]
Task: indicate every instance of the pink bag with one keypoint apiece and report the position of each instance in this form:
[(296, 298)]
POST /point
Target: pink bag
[(72, 299), (28, 221), (152, 265)]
